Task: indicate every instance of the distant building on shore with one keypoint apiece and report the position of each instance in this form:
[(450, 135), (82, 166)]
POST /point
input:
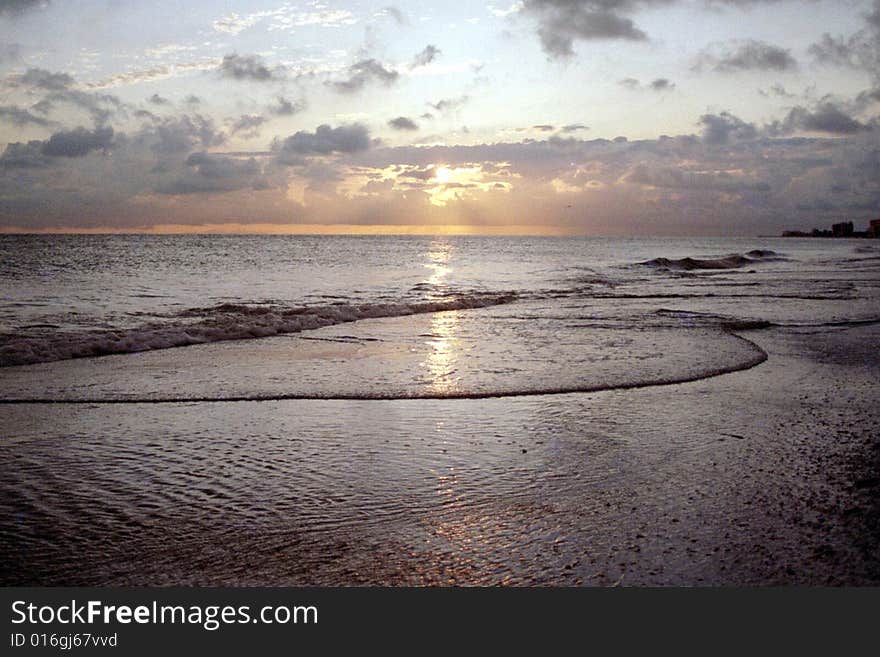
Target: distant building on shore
[(841, 229)]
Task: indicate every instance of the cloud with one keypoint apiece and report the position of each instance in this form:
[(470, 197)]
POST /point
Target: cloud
[(724, 127), (248, 125), (544, 127), (234, 24), (671, 185), (362, 72), (826, 117), (21, 117), (398, 16), (204, 173), (182, 134), (574, 127), (156, 99), (873, 17), (654, 175), (777, 90), (78, 142), (403, 123), (751, 55), (658, 84), (18, 155), (17, 7), (449, 104), (416, 172), (661, 84), (562, 22), (219, 166), (426, 56), (284, 107), (154, 73), (325, 140), (100, 107), (38, 78), (247, 67), (9, 52), (859, 51)]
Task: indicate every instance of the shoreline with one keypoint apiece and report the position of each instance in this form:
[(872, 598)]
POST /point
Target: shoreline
[(766, 476)]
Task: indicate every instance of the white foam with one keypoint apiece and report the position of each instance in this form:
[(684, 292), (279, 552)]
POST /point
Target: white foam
[(218, 323)]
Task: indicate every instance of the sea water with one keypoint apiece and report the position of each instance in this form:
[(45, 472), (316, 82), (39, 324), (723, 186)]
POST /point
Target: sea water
[(337, 410)]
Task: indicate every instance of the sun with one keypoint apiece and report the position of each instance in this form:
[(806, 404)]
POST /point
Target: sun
[(442, 174)]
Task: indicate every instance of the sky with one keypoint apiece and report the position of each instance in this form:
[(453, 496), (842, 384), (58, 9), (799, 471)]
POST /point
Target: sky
[(581, 117)]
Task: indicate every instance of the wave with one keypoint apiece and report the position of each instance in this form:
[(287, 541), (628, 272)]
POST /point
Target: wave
[(227, 321), (731, 261), (753, 357)]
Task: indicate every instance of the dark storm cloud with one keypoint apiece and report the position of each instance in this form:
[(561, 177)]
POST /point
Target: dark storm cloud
[(156, 99), (21, 117), (562, 22), (78, 142), (426, 56), (247, 67), (362, 72), (403, 123), (725, 127), (751, 55), (248, 125), (284, 107), (629, 83), (323, 141)]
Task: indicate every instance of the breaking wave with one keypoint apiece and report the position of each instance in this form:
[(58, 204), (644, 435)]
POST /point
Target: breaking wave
[(731, 261), (217, 323)]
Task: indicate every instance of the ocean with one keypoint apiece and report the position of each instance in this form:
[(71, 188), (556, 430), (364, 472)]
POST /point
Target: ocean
[(360, 409)]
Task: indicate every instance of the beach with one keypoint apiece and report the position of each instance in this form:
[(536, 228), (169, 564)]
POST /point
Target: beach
[(761, 477), (561, 413)]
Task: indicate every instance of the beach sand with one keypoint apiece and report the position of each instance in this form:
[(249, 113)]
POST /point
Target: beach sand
[(765, 476)]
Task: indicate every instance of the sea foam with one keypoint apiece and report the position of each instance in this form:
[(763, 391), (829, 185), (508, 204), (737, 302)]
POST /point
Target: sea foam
[(217, 323)]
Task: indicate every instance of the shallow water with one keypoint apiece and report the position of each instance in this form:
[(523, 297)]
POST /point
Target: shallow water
[(402, 316)]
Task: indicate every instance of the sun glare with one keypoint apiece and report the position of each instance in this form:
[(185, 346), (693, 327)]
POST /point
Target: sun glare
[(442, 174)]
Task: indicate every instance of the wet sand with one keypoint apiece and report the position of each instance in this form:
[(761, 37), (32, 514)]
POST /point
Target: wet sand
[(765, 476)]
